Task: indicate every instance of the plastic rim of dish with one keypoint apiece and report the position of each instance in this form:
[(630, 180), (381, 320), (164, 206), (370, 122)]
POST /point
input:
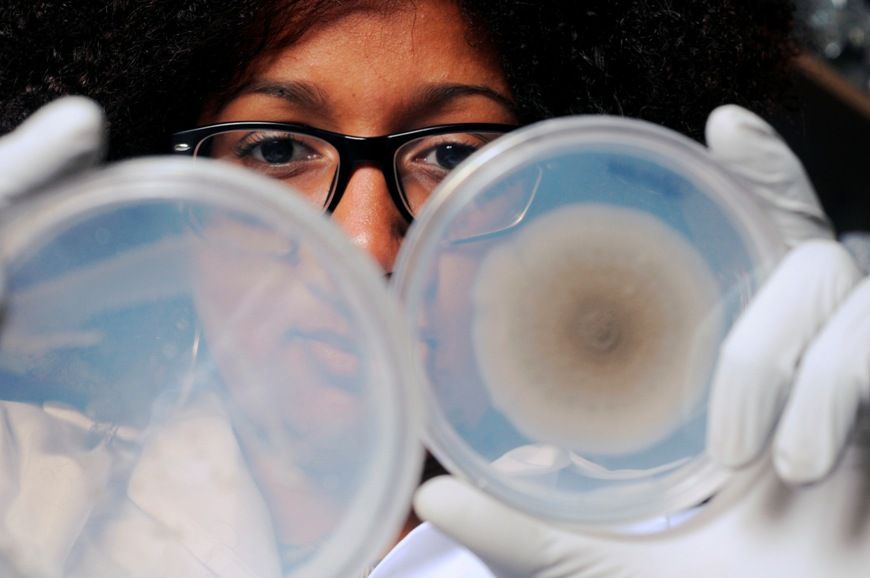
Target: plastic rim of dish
[(378, 508), (606, 505)]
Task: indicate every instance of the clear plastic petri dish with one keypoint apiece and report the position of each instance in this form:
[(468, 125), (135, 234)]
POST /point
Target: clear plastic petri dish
[(201, 376), (569, 286)]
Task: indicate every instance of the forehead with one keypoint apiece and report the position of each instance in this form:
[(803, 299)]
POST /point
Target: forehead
[(372, 66)]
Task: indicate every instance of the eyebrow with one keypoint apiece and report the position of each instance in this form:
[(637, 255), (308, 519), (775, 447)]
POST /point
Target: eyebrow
[(429, 98), (435, 96), (297, 93)]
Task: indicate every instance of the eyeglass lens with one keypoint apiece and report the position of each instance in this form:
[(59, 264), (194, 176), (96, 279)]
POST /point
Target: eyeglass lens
[(421, 164), (307, 163), (310, 164)]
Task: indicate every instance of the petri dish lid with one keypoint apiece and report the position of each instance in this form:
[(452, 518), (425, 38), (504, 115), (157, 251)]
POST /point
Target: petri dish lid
[(211, 375), (569, 286)]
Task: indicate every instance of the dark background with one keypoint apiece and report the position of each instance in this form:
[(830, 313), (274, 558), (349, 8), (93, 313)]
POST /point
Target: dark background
[(831, 135)]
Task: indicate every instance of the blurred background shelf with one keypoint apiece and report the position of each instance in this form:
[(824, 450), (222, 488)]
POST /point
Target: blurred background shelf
[(830, 132), (812, 69)]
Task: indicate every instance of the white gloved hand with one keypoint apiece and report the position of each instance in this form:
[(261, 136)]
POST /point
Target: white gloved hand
[(61, 138), (49, 473), (756, 527), (804, 341), (802, 345)]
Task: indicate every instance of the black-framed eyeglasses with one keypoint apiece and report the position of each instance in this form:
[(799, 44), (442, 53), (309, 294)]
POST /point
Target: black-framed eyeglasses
[(319, 163)]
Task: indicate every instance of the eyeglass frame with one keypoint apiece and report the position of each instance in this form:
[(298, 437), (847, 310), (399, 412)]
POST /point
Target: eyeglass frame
[(353, 151)]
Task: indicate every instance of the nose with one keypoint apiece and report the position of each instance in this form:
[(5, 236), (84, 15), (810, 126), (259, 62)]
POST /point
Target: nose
[(369, 217)]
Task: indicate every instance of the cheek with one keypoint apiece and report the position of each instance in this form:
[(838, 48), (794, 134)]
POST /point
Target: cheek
[(279, 345)]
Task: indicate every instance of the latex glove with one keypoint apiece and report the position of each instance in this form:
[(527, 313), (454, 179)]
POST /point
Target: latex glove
[(756, 527), (802, 348), (807, 333), (61, 138), (50, 472)]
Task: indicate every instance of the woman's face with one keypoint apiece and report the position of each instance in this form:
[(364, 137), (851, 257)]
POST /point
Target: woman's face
[(371, 73)]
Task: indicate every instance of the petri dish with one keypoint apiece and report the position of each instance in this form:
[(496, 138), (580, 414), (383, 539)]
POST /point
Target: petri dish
[(569, 287), (208, 374)]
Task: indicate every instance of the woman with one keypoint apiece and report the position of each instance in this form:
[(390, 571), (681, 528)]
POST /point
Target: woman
[(163, 66)]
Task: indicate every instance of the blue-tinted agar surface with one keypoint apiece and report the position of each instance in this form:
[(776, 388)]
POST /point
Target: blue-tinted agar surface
[(617, 176)]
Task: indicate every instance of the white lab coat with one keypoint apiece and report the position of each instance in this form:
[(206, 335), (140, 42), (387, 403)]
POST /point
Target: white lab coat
[(186, 506), (73, 505), (427, 553)]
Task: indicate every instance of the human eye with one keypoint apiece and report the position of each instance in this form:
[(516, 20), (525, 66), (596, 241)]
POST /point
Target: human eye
[(443, 153), (422, 163), (431, 158), (447, 156), (269, 151)]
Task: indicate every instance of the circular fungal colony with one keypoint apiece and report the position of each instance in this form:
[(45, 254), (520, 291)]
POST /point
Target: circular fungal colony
[(595, 328)]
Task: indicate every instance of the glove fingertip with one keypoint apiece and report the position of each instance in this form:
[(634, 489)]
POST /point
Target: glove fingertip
[(435, 496), (71, 116), (84, 123), (727, 125), (801, 456), (795, 468), (65, 136)]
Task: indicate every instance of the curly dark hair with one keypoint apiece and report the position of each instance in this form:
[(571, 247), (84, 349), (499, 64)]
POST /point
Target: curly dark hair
[(152, 64)]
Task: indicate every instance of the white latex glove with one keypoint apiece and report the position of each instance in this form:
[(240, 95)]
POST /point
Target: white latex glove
[(804, 342), (61, 138), (756, 527), (50, 471)]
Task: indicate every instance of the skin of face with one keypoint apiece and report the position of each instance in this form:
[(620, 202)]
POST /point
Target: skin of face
[(370, 73)]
